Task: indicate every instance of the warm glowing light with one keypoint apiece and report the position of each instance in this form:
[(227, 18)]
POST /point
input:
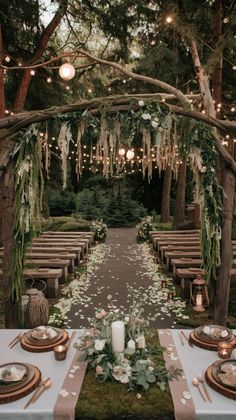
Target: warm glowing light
[(226, 20), (89, 90), (121, 152), (7, 59), (67, 71), (67, 87), (234, 67), (130, 155), (232, 109), (169, 19), (49, 79), (32, 72)]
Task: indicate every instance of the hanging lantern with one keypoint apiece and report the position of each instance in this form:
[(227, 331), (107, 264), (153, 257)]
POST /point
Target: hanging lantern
[(199, 294), (67, 71), (121, 152), (130, 154)]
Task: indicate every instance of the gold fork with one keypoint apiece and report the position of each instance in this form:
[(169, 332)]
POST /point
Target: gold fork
[(14, 339)]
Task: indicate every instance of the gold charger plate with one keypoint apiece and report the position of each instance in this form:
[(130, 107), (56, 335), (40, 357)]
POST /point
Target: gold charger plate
[(14, 385)]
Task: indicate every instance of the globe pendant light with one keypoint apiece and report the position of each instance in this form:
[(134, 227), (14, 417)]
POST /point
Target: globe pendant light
[(67, 71), (130, 154)]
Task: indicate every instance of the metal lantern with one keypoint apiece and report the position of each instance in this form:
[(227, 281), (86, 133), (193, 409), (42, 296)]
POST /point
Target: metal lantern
[(67, 71), (199, 298)]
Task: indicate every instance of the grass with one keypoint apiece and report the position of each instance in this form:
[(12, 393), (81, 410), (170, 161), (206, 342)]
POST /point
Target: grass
[(66, 224)]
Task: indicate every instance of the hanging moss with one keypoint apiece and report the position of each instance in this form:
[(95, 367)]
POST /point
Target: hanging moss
[(28, 181)]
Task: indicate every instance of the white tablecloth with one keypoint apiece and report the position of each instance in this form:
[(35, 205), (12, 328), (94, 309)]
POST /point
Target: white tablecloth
[(194, 361), (57, 370)]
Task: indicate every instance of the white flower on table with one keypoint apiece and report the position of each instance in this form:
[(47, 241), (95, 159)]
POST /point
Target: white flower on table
[(141, 343), (121, 373), (131, 345), (224, 333), (99, 344)]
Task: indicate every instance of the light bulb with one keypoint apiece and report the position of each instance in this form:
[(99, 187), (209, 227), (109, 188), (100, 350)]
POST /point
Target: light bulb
[(121, 152), (169, 19), (130, 154), (32, 72), (67, 71), (49, 79), (7, 59)]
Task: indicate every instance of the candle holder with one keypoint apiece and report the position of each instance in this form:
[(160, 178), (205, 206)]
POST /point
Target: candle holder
[(224, 349), (60, 352), (163, 283), (170, 294)]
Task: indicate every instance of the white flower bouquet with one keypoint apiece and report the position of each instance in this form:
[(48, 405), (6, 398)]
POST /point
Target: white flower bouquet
[(100, 229), (144, 227), (141, 362)]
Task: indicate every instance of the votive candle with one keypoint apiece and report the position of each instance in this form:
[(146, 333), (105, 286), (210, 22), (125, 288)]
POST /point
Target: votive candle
[(224, 349), (118, 336)]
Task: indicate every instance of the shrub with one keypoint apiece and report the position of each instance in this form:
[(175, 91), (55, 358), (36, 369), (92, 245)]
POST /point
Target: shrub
[(146, 225), (61, 202), (100, 229)]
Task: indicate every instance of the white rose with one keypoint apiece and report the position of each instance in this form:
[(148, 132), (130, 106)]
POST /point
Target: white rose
[(146, 116), (131, 344), (127, 319), (203, 169), (154, 124), (141, 342), (99, 344), (141, 103), (224, 333)]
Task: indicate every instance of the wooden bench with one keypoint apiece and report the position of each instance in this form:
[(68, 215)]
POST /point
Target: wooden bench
[(50, 263), (57, 249), (62, 255), (190, 253), (189, 263), (68, 235), (157, 242), (50, 275), (62, 242)]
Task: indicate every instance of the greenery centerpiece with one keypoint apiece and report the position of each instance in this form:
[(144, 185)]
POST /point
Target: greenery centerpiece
[(121, 348)]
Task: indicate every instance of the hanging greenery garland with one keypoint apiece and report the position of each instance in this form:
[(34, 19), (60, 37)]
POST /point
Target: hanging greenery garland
[(198, 145), (27, 203)]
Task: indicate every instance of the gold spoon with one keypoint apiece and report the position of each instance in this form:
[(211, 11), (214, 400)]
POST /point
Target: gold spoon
[(196, 383), (201, 379), (46, 386)]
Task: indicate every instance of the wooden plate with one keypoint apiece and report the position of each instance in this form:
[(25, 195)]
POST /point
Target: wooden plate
[(28, 346), (202, 344), (217, 370), (26, 389), (229, 393), (210, 339), (14, 385), (40, 342)]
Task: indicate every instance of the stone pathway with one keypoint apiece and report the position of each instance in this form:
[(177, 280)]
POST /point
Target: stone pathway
[(125, 270)]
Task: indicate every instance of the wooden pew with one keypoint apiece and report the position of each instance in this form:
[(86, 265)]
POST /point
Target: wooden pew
[(48, 249), (62, 242), (50, 263), (73, 237), (50, 275), (188, 254), (89, 235), (186, 274)]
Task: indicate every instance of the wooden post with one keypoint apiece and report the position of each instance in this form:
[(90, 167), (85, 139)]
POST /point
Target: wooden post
[(179, 213), (165, 200), (223, 279)]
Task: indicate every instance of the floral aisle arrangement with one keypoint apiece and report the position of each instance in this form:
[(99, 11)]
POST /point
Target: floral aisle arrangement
[(100, 229), (120, 347), (144, 227)]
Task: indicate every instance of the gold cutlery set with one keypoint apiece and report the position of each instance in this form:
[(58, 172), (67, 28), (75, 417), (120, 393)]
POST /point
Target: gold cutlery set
[(46, 383)]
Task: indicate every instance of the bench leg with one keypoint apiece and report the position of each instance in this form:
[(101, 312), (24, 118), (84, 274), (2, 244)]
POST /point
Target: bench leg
[(52, 288)]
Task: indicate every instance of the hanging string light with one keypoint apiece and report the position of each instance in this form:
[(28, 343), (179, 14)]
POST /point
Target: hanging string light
[(130, 154), (121, 152)]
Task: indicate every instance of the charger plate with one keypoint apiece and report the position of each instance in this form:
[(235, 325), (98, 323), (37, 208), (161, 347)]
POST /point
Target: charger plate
[(25, 389), (214, 384), (40, 348)]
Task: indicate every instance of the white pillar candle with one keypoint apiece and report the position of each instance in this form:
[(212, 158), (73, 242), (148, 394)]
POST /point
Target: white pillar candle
[(118, 336)]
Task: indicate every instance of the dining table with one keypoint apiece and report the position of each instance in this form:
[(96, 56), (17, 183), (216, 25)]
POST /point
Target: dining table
[(59, 401)]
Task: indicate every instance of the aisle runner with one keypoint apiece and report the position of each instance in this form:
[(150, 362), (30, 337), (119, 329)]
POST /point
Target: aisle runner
[(184, 408)]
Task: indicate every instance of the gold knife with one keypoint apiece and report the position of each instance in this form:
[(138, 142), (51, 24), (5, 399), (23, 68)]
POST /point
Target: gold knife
[(15, 342), (14, 339)]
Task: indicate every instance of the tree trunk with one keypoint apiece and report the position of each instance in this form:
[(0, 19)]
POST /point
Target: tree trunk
[(223, 279), (165, 201), (217, 75), (179, 213)]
